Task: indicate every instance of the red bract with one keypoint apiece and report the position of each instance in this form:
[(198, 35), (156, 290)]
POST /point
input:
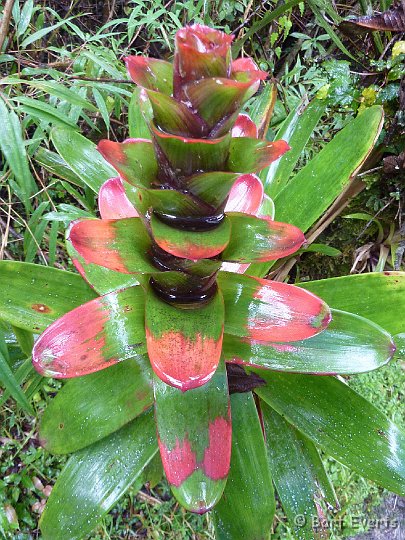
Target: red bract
[(186, 202)]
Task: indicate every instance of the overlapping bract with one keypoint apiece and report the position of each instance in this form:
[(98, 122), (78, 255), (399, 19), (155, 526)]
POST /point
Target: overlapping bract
[(184, 204)]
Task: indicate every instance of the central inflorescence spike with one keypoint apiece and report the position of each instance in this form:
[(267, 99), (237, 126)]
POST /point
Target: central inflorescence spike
[(195, 106)]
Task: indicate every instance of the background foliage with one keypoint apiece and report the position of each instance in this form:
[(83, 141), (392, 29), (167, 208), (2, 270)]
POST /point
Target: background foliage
[(61, 65)]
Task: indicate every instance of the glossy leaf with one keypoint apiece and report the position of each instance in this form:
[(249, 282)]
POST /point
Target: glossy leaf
[(246, 195), (298, 473), (246, 509), (191, 244), (296, 130), (256, 239), (89, 408), (168, 201), (151, 73), (269, 310), (121, 245), (82, 157), (251, 155), (14, 150), (93, 336), (56, 165), (213, 187), (191, 155), (113, 202), (184, 343), (329, 172), (350, 344), (244, 127), (133, 159), (139, 115), (35, 296), (379, 296), (341, 422), (95, 478), (101, 279), (194, 436), (262, 108), (174, 116), (219, 100)]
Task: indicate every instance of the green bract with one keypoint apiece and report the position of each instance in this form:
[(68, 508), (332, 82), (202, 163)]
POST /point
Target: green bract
[(171, 317)]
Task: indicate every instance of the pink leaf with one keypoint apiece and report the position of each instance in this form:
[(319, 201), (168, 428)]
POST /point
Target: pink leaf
[(244, 127), (113, 202)]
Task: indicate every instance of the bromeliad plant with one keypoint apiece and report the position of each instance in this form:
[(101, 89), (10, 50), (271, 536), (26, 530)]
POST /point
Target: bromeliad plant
[(174, 323)]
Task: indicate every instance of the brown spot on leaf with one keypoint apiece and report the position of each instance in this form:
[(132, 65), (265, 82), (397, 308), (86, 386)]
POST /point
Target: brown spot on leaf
[(41, 308)]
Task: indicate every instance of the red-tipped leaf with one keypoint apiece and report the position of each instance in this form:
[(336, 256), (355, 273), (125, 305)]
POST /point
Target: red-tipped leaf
[(194, 436), (252, 155), (184, 343), (200, 52), (151, 73), (133, 159), (93, 336), (191, 244), (121, 245), (270, 311), (190, 155)]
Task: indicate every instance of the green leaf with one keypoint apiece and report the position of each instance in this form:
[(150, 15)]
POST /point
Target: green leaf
[(25, 340), (35, 296), (167, 201), (191, 155), (257, 239), (270, 16), (91, 407), (101, 279), (82, 157), (247, 506), (323, 23), (138, 127), (56, 165), (248, 155), (350, 344), (377, 296), (341, 422), (8, 380), (95, 478), (44, 111), (213, 188), (55, 89), (43, 32), (298, 473), (329, 172), (194, 435), (151, 73), (13, 147), (173, 116), (296, 130)]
